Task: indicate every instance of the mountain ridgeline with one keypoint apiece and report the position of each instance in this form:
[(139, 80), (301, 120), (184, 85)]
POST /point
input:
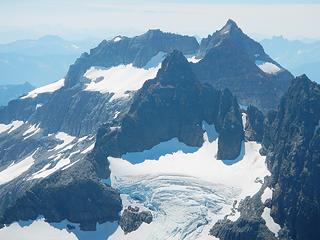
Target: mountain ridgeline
[(63, 134), (174, 104)]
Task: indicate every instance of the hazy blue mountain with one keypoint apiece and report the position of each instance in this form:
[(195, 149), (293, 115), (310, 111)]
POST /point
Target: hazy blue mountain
[(297, 56), (9, 92), (40, 61)]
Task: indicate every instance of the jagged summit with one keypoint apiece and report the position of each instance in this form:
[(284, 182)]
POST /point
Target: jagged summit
[(137, 51), (175, 69), (230, 32), (229, 27)]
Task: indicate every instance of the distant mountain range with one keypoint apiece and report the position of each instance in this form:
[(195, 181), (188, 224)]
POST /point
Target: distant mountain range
[(12, 91), (40, 61), (298, 56)]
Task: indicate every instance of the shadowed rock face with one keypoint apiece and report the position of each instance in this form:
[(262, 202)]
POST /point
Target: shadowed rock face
[(254, 125), (229, 61), (291, 141), (293, 145), (174, 104), (132, 219)]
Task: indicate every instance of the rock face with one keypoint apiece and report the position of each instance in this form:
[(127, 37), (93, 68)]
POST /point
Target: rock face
[(293, 146), (230, 60), (137, 50), (291, 141), (132, 219), (83, 201), (174, 104), (254, 125)]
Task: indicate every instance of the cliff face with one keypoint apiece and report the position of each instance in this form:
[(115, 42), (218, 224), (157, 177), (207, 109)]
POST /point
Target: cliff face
[(291, 142), (230, 59), (293, 145)]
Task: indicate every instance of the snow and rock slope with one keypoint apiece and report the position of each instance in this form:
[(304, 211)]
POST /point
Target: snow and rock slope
[(126, 128), (187, 192)]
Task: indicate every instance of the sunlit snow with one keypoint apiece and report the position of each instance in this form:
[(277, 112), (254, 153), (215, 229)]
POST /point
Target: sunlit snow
[(273, 227), (267, 194), (118, 80), (268, 67), (186, 192), (65, 138), (117, 39), (32, 130), (16, 169), (11, 126), (45, 89)]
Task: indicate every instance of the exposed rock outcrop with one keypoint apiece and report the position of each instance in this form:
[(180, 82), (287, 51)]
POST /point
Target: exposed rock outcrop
[(230, 60), (131, 219), (174, 104), (254, 125)]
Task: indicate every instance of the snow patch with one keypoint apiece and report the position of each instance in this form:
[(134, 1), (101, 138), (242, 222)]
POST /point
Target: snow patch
[(39, 106), (273, 227), (268, 67), (193, 59), (32, 130), (117, 39), (244, 120), (11, 126), (267, 194), (66, 138), (45, 89), (46, 171), (88, 149), (116, 114), (16, 169), (118, 80)]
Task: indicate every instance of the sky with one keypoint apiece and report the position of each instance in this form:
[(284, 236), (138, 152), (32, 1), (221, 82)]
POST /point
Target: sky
[(102, 19)]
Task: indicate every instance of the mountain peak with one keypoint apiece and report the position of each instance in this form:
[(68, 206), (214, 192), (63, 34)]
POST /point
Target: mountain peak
[(175, 68), (231, 23), (229, 27)]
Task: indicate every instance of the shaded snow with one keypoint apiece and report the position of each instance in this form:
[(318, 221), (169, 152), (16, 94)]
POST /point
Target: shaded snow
[(186, 192), (273, 227), (118, 80), (41, 230), (37, 230), (155, 60), (45, 89), (16, 169), (268, 67)]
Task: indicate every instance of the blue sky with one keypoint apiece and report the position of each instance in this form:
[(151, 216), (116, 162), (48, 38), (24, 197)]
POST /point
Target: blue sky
[(76, 19)]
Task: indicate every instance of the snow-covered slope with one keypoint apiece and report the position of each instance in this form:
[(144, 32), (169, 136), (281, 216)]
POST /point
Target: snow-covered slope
[(45, 89), (186, 192), (118, 80)]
